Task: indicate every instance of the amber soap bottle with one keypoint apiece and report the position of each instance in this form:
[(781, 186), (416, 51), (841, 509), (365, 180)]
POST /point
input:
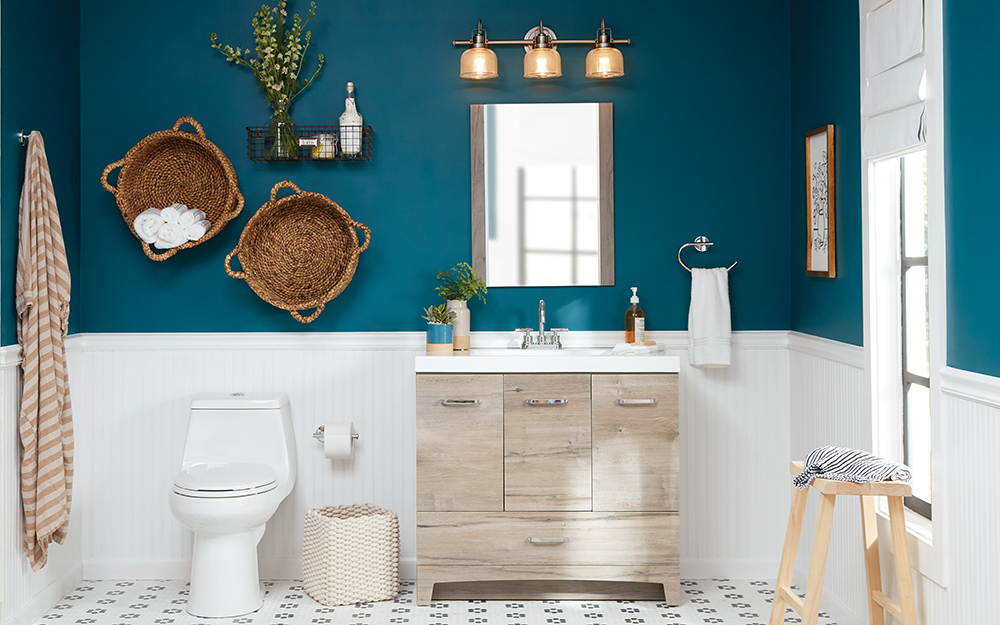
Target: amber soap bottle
[(635, 320)]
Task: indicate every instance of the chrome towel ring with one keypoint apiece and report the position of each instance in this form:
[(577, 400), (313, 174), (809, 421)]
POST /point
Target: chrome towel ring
[(701, 244)]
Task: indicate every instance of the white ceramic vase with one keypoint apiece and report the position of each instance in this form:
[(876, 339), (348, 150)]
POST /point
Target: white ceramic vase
[(461, 335)]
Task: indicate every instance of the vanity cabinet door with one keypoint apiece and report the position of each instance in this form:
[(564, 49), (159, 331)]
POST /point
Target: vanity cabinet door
[(460, 442), (547, 442), (636, 457)]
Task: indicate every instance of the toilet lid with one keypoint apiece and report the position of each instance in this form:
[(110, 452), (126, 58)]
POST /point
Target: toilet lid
[(225, 479)]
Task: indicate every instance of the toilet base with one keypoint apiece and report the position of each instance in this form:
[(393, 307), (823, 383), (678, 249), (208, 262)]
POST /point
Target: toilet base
[(225, 581)]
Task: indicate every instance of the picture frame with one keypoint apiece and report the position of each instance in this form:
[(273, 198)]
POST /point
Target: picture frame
[(821, 241)]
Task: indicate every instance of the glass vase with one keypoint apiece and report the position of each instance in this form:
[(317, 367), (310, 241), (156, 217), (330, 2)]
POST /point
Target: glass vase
[(282, 141)]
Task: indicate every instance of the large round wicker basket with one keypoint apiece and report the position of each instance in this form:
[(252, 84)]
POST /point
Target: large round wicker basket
[(298, 252), (350, 554), (173, 166)]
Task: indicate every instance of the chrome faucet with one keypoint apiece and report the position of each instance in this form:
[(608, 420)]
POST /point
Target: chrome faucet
[(550, 339)]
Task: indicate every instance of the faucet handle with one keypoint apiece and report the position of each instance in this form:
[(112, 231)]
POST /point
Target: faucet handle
[(559, 329), (524, 330)]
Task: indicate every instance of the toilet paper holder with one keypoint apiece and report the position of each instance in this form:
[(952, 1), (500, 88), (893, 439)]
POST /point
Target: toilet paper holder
[(320, 435)]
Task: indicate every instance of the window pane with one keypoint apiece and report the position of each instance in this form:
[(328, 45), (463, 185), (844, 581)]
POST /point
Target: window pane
[(588, 270), (916, 322), (915, 204), (918, 439), (546, 225), (541, 269)]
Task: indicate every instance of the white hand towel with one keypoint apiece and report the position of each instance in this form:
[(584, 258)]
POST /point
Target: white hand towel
[(709, 324), (147, 223), (172, 213), (189, 217), (197, 230), (627, 349), (168, 236)]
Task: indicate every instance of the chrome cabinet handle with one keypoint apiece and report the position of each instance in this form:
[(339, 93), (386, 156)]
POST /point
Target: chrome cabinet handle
[(547, 541), (634, 402), (460, 402), (546, 402)]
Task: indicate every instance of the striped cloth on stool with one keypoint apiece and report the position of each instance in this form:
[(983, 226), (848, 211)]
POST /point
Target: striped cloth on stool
[(849, 465)]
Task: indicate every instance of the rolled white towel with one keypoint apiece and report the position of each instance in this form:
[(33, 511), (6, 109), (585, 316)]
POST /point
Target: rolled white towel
[(627, 349), (168, 236), (197, 230), (147, 223), (172, 213), (189, 217)]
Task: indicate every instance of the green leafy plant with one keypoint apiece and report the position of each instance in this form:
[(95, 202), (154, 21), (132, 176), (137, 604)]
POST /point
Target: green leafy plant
[(461, 282), (438, 314)]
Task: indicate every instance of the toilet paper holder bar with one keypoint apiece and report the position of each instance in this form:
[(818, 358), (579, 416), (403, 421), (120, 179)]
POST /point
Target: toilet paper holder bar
[(319, 434)]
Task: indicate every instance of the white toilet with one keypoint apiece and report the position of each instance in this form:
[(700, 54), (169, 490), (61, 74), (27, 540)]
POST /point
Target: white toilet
[(238, 465)]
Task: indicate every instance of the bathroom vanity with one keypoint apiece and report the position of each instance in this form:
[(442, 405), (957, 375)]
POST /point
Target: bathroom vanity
[(548, 475)]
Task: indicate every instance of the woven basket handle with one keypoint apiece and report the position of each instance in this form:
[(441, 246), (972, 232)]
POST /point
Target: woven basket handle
[(190, 120), (154, 256), (284, 184), (302, 319), (234, 274), (368, 234), (104, 176)]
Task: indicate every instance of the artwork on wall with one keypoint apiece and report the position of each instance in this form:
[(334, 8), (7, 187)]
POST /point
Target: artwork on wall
[(821, 256)]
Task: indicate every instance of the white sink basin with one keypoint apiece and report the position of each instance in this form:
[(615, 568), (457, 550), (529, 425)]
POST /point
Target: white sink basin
[(538, 352), (567, 360)]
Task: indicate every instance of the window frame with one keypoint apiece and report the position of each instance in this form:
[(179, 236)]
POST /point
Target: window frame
[(882, 313)]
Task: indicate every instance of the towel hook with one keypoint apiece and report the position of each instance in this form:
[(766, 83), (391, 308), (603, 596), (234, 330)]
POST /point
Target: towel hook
[(701, 244), (23, 137)]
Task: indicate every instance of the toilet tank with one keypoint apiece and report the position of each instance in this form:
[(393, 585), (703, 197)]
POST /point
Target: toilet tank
[(241, 427)]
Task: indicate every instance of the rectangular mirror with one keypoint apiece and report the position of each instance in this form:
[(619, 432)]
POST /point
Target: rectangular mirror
[(543, 194)]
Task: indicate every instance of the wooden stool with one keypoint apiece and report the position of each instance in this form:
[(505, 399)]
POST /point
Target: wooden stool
[(906, 610)]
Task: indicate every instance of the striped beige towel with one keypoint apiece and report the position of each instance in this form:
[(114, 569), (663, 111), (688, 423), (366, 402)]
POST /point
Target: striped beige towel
[(46, 423)]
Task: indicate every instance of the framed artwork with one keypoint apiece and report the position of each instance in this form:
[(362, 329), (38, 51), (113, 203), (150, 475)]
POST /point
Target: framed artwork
[(821, 250)]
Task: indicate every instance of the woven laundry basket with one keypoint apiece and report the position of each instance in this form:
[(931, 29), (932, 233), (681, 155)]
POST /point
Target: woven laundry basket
[(350, 554), (176, 166)]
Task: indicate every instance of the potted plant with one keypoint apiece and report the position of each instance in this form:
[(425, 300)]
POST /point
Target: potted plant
[(280, 52), (458, 286), (439, 329)]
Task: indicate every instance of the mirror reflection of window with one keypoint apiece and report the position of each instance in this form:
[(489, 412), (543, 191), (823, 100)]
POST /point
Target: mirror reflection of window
[(542, 194)]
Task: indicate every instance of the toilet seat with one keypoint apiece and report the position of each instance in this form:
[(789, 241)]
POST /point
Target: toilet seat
[(225, 479)]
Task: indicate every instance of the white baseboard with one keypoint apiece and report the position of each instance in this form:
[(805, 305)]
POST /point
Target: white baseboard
[(43, 601), (729, 569), (181, 569)]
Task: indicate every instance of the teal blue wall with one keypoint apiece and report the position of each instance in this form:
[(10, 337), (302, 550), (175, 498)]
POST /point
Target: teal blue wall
[(972, 84), (824, 78), (701, 147), (40, 83)]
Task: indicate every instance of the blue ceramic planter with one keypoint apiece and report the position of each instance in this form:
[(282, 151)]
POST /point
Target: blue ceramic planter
[(439, 338)]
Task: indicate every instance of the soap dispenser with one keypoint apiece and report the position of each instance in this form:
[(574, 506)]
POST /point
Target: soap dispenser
[(635, 321)]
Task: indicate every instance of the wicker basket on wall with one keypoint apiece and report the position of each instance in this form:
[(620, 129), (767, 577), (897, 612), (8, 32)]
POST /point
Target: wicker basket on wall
[(174, 166), (298, 252), (350, 554)]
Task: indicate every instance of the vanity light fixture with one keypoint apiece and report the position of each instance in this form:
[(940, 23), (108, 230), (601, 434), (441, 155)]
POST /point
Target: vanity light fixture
[(478, 62), (541, 60)]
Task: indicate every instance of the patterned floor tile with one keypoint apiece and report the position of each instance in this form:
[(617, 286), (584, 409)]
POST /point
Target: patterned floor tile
[(132, 602)]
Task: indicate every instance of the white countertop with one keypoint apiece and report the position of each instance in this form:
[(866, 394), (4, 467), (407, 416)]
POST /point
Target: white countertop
[(572, 360)]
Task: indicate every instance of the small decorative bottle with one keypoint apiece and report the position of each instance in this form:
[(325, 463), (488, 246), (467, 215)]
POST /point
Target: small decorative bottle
[(350, 125), (635, 321)]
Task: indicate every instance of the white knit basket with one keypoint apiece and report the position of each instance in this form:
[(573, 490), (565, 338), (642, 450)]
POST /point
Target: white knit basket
[(350, 554)]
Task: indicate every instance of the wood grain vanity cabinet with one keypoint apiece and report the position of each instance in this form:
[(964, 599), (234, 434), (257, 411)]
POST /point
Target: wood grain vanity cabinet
[(559, 485)]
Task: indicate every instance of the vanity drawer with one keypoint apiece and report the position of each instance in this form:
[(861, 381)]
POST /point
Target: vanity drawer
[(635, 441), (564, 538), (460, 442)]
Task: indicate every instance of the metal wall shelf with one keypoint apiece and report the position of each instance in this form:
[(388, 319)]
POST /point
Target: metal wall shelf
[(260, 146)]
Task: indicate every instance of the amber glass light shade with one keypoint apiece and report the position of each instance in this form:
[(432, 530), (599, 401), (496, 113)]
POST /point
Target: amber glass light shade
[(478, 64), (605, 63), (542, 63)]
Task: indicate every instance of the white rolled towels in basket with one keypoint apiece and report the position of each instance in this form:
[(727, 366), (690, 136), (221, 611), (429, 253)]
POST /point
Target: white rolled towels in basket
[(350, 554), (147, 223), (168, 236), (197, 230), (190, 216), (172, 214)]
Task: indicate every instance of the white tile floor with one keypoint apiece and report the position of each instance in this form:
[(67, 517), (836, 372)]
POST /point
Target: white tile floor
[(730, 602)]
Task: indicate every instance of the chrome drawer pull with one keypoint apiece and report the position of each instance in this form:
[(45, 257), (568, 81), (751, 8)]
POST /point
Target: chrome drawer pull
[(546, 402), (547, 541), (634, 402), (461, 402)]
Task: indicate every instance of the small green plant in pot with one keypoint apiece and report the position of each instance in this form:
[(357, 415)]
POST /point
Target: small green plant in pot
[(457, 286), (439, 329)]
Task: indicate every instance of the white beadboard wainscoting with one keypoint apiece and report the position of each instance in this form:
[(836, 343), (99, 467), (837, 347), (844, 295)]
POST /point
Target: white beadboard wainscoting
[(828, 406), (27, 595)]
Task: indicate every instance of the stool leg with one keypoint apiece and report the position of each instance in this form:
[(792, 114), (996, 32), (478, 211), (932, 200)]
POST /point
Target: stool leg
[(817, 561), (787, 566), (869, 530), (904, 576)]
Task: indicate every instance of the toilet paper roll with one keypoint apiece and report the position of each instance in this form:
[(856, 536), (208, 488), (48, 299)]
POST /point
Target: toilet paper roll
[(338, 440)]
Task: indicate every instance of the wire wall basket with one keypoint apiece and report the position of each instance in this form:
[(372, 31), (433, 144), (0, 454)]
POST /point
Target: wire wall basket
[(314, 143)]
